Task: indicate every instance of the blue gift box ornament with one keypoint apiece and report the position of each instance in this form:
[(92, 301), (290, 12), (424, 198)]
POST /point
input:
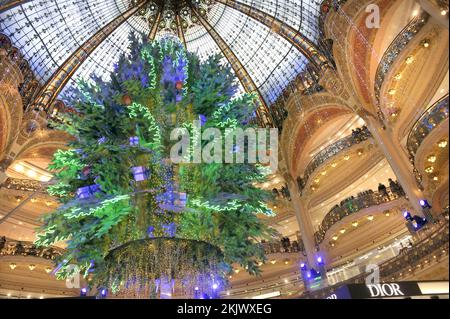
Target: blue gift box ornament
[(134, 141), (88, 191), (202, 119), (169, 229), (140, 173)]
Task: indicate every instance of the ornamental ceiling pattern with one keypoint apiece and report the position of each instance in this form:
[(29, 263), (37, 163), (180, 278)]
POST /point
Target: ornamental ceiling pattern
[(48, 32)]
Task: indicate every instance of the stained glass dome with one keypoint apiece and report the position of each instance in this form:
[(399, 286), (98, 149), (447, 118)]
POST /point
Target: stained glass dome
[(49, 32)]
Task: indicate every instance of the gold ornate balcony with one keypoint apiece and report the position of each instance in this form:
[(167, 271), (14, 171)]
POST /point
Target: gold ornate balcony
[(395, 49), (9, 247), (23, 185), (354, 205), (331, 151), (429, 120)]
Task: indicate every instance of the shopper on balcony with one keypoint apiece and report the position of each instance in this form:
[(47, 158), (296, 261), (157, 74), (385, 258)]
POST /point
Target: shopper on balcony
[(395, 188), (382, 190), (2, 242)]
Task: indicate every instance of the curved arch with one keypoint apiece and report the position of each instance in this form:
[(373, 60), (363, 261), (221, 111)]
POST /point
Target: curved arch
[(305, 134), (414, 97), (44, 138), (353, 46), (303, 109), (11, 114)]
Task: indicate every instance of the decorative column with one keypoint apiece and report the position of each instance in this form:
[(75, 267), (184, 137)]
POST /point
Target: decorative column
[(399, 162), (3, 177), (304, 221), (432, 8), (315, 259)]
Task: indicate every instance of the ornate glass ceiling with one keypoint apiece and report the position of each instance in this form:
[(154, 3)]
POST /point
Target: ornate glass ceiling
[(48, 32)]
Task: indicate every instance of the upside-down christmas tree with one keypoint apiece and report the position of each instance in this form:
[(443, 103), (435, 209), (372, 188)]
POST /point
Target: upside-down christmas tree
[(133, 222)]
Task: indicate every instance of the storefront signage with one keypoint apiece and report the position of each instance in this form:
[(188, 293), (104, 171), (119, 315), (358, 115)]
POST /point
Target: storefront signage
[(386, 290)]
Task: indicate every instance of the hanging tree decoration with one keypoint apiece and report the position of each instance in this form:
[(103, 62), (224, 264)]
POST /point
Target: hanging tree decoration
[(136, 223)]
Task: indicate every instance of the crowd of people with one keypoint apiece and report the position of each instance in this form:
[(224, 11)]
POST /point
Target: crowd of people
[(285, 245), (282, 193), (360, 134), (362, 200)]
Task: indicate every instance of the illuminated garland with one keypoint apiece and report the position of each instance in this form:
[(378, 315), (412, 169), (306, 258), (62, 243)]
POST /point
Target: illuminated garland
[(153, 128), (147, 56), (78, 212)]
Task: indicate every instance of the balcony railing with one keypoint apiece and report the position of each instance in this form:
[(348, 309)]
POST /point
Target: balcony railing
[(395, 49), (331, 151), (353, 205), (432, 247), (432, 117), (9, 247), (30, 85), (283, 247), (25, 185)]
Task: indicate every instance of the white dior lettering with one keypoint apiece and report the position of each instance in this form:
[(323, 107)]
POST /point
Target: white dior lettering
[(385, 290)]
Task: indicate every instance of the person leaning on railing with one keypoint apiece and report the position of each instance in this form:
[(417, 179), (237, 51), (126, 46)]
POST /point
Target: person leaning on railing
[(2, 242)]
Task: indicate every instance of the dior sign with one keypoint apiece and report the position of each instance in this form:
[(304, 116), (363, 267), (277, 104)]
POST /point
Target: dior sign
[(370, 291), (385, 290)]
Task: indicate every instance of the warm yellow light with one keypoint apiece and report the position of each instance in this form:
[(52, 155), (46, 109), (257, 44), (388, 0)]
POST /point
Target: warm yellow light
[(370, 217), (387, 214), (429, 169), (324, 173), (237, 271), (435, 178), (415, 13), (443, 143), (342, 231), (317, 180), (360, 152), (426, 44), (12, 266), (48, 270), (333, 165), (32, 266), (31, 174), (273, 261), (347, 157), (409, 60), (355, 224), (398, 76), (444, 12), (392, 92), (335, 238), (19, 167), (44, 178), (431, 158)]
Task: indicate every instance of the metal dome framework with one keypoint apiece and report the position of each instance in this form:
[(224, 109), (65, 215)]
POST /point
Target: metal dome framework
[(267, 42)]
